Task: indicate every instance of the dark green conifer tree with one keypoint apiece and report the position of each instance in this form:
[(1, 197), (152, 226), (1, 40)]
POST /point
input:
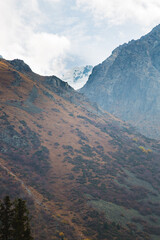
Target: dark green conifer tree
[(14, 220), (21, 227), (6, 216)]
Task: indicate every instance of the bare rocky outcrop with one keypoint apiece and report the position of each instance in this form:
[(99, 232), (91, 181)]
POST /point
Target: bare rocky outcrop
[(127, 84), (20, 65)]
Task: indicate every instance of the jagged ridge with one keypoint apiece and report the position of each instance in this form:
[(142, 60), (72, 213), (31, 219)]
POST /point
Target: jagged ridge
[(127, 84)]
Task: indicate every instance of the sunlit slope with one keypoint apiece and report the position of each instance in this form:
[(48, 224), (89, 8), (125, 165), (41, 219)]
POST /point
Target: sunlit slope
[(82, 171)]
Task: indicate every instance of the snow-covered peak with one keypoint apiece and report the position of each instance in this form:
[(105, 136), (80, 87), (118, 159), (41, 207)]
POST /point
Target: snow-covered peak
[(77, 76)]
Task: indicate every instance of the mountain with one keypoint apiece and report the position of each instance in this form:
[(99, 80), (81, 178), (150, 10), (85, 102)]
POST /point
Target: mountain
[(84, 173), (77, 76), (127, 84)]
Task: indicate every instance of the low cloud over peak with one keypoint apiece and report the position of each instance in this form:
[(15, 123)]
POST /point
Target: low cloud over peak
[(54, 35)]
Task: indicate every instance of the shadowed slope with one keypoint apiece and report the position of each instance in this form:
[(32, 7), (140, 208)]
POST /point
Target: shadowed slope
[(127, 84)]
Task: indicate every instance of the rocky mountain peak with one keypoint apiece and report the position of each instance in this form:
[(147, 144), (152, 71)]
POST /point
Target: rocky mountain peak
[(127, 84), (20, 65), (155, 30)]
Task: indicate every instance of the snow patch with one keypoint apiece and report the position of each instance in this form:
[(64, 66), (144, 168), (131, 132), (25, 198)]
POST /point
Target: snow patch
[(77, 76)]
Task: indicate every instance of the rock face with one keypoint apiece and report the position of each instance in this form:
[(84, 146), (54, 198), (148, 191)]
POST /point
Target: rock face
[(77, 76), (127, 84), (19, 65)]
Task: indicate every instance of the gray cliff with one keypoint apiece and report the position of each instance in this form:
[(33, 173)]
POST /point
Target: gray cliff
[(127, 84)]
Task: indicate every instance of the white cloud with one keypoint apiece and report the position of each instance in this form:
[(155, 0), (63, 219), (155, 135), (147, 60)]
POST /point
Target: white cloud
[(52, 35), (20, 22), (53, 1), (145, 12), (46, 52)]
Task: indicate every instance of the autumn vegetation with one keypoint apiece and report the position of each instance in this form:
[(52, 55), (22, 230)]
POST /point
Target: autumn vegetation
[(82, 173)]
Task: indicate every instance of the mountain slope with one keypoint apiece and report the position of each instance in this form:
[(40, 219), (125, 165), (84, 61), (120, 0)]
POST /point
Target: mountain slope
[(127, 84), (83, 172)]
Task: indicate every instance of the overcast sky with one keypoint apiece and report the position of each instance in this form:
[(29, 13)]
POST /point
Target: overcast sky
[(54, 35)]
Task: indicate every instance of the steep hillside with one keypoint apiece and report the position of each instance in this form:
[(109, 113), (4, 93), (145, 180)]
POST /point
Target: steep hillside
[(77, 76), (84, 173), (127, 84)]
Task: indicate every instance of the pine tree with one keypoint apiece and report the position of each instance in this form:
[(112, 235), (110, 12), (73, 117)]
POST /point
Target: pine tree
[(6, 215), (21, 228), (14, 220)]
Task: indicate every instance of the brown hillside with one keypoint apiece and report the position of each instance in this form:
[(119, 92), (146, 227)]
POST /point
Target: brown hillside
[(82, 171)]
